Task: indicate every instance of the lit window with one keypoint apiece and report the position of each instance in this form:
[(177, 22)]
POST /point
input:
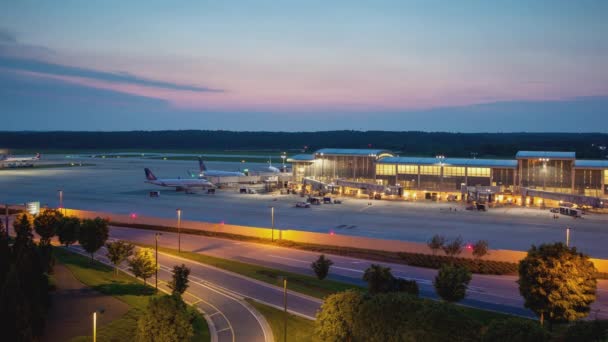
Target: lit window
[(430, 170), (385, 169), (408, 169), (452, 171), (478, 172), (606, 177)]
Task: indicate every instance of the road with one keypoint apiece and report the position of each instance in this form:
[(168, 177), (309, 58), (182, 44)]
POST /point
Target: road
[(498, 293)]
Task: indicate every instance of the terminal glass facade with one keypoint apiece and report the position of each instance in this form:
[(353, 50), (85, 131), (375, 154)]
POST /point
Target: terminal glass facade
[(588, 182), (552, 175)]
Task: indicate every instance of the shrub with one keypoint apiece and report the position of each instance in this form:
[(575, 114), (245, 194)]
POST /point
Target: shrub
[(453, 248), (592, 331), (379, 279), (480, 249), (479, 266), (166, 319), (336, 318), (439, 322), (436, 243), (451, 282), (321, 267), (515, 329), (406, 286)]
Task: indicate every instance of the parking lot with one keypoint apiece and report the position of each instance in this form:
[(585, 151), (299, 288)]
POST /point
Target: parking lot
[(117, 185)]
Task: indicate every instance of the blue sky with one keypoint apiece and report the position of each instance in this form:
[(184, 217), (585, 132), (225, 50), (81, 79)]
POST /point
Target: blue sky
[(467, 66)]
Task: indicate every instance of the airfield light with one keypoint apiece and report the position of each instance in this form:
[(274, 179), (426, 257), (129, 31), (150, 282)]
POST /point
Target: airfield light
[(469, 246), (133, 216), (331, 232), (60, 193), (179, 230)]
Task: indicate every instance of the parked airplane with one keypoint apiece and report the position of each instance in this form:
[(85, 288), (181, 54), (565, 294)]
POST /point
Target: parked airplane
[(204, 172), (186, 184), (11, 159), (272, 168)]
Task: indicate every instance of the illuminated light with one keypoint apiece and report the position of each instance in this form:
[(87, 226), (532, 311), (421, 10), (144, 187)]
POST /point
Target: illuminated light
[(331, 232), (222, 222), (133, 215), (469, 246), (164, 158)]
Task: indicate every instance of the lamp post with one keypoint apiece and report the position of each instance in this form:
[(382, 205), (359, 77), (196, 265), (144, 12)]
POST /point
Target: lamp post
[(272, 222), (60, 193), (156, 235), (179, 230), (567, 236), (285, 308), (95, 326)]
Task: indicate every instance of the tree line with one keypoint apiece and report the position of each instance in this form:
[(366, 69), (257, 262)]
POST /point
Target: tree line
[(586, 145)]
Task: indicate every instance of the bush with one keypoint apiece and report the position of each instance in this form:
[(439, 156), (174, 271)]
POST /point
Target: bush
[(406, 286), (587, 331), (515, 329), (479, 267), (336, 318), (439, 322), (436, 243), (480, 249), (379, 279), (321, 267), (451, 282), (166, 319), (453, 248)]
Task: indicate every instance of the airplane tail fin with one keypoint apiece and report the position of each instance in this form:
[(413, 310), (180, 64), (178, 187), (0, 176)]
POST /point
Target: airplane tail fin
[(38, 156), (201, 165), (149, 175)]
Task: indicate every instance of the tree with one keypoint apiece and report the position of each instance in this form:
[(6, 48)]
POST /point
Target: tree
[(166, 319), (179, 283), (515, 329), (451, 282), (596, 331), (321, 267), (453, 248), (336, 319), (406, 286), (436, 243), (46, 225), (379, 279), (68, 230), (23, 230), (118, 252), (480, 249), (557, 282), (142, 264), (93, 234)]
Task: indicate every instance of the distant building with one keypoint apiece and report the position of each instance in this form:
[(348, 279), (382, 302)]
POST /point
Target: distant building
[(532, 178)]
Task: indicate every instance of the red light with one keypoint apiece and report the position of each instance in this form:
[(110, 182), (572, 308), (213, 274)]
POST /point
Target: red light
[(331, 232), (133, 215), (222, 223), (469, 246)]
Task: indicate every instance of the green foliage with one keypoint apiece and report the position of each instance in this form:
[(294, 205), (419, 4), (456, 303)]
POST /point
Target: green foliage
[(439, 322), (335, 320), (142, 264), (451, 282), (512, 329), (557, 282), (436, 243), (587, 331), (68, 230), (321, 266), (475, 266), (47, 223), (386, 318), (179, 282), (379, 279), (480, 249), (93, 234), (166, 320), (406, 286), (453, 248), (118, 252), (23, 229)]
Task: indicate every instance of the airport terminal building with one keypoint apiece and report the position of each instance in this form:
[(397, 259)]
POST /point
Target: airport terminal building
[(532, 178)]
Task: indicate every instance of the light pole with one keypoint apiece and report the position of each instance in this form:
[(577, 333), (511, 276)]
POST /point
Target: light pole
[(567, 236), (285, 308), (95, 326), (179, 230), (60, 192), (272, 221), (156, 235)]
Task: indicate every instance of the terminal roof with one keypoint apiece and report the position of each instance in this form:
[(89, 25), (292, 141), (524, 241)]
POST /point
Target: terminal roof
[(301, 157), (352, 152), (592, 164), (545, 154), (503, 163)]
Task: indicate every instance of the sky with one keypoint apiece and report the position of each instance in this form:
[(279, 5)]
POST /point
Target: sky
[(456, 66)]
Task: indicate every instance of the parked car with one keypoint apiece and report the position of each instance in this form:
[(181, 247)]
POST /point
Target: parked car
[(302, 205)]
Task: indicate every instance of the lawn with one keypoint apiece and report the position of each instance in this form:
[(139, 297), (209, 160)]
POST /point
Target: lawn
[(296, 282), (122, 286), (298, 329)]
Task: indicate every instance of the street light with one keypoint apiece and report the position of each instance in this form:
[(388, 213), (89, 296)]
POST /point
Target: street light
[(285, 308), (156, 235), (101, 311), (272, 221), (567, 236), (179, 230), (60, 192)]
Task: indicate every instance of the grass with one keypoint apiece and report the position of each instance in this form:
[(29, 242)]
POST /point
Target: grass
[(123, 287), (297, 282), (298, 329)]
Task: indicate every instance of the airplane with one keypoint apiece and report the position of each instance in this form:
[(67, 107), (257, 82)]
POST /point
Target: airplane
[(179, 184), (10, 159), (204, 172), (272, 168)]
